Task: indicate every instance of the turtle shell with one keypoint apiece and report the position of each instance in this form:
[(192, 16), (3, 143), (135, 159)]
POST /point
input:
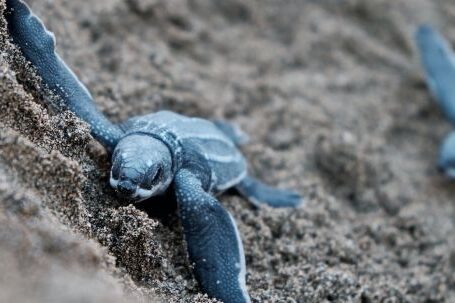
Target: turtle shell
[(194, 140)]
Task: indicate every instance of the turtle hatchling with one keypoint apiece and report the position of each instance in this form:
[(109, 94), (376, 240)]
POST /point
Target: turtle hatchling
[(163, 151), (438, 61)]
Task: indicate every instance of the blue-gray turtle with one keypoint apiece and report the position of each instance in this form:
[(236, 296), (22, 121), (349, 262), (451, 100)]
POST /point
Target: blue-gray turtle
[(438, 61), (160, 151)]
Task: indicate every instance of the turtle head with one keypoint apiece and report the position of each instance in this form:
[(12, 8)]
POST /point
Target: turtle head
[(141, 167), (446, 161)]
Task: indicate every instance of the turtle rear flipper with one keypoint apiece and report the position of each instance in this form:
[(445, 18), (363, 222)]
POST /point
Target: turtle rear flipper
[(438, 61), (259, 193), (37, 45), (233, 132)]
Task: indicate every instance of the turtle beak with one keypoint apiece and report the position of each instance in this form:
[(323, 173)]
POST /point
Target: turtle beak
[(126, 188)]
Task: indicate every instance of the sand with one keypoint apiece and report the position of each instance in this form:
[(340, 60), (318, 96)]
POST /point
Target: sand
[(332, 97)]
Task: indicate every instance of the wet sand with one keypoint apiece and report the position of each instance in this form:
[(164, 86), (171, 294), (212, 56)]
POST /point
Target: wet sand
[(332, 97)]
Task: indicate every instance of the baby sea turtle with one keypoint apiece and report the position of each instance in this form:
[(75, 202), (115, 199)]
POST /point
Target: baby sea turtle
[(438, 61), (164, 150)]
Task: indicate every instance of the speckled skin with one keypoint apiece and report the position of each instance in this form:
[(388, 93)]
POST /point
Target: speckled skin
[(195, 157), (438, 61), (222, 271), (54, 72)]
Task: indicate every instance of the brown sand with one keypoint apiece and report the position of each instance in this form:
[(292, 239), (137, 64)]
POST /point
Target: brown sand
[(331, 95)]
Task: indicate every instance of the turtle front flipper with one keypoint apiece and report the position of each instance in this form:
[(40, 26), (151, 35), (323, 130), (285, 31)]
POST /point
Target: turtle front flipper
[(438, 61), (259, 193), (37, 45), (214, 244)]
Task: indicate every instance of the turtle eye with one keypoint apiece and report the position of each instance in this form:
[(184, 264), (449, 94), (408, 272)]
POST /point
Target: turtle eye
[(115, 170), (158, 174), (152, 177)]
